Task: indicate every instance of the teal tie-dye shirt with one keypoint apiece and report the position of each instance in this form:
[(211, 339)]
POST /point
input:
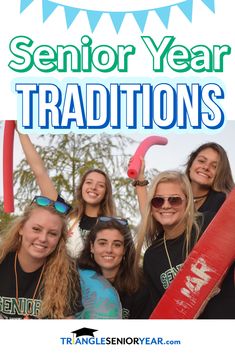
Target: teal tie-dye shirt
[(99, 298)]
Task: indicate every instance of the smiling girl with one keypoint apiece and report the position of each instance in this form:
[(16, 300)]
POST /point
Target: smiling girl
[(210, 175), (110, 251), (169, 230), (93, 196), (37, 277)]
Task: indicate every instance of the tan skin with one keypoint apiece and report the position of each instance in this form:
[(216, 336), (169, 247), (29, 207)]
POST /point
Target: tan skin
[(202, 175), (93, 192), (203, 172), (108, 251), (40, 236), (167, 215)]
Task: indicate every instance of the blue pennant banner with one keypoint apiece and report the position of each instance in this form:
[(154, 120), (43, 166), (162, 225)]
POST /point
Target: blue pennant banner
[(48, 8), (164, 14), (93, 18), (70, 14), (210, 4), (24, 4), (141, 17), (117, 18), (187, 8)]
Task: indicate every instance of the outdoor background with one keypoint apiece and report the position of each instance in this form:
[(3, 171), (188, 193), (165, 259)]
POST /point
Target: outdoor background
[(92, 151)]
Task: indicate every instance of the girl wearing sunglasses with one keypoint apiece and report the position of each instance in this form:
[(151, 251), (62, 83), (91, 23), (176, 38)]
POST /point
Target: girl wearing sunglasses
[(93, 197), (38, 278), (170, 229), (210, 175), (110, 251)]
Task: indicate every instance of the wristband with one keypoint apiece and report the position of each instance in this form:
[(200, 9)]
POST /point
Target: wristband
[(140, 182)]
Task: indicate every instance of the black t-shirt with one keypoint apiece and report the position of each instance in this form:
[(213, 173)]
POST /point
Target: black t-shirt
[(136, 305), (86, 224), (213, 202), (222, 305), (157, 270), (27, 282)]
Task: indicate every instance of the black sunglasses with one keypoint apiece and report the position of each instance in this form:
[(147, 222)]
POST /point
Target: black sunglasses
[(174, 201), (122, 221), (59, 206)]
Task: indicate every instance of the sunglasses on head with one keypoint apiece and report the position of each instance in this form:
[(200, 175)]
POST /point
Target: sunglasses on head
[(122, 221), (174, 201), (59, 206)]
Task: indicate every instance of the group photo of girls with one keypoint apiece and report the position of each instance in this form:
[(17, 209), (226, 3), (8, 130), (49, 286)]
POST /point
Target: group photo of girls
[(85, 258)]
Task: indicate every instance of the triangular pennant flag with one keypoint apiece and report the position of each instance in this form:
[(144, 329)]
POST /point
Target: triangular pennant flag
[(70, 14), (187, 9), (210, 4), (93, 18), (117, 19), (141, 17), (47, 9), (164, 14), (24, 4)]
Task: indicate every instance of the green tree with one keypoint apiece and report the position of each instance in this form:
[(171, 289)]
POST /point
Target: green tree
[(5, 218), (67, 157)]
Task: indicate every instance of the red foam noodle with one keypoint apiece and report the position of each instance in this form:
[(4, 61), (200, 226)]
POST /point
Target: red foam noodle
[(135, 164), (204, 268), (8, 141)]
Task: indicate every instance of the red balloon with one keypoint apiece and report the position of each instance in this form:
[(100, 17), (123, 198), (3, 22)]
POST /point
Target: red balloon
[(135, 164), (8, 141)]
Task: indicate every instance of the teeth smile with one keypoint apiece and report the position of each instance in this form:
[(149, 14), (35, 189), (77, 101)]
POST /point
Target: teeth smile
[(204, 175), (92, 194), (39, 246)]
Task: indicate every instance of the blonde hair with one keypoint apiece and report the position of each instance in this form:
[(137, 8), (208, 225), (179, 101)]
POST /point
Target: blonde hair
[(150, 228), (60, 287)]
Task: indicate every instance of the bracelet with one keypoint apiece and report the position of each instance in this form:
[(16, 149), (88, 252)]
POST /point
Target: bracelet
[(140, 182)]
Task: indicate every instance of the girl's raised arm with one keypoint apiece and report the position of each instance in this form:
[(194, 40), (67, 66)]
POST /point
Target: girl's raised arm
[(37, 166)]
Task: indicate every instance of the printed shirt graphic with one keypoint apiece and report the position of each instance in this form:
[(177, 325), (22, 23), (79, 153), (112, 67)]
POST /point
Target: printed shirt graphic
[(9, 308), (78, 231), (99, 297), (157, 268)]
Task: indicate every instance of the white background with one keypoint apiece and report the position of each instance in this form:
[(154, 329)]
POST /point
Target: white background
[(206, 28), (44, 336)]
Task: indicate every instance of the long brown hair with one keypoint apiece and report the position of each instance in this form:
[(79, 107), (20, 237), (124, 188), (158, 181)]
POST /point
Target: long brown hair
[(127, 278), (223, 179), (60, 287), (107, 206)]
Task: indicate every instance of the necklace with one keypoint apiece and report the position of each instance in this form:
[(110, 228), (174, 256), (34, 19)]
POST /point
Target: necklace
[(26, 316), (198, 198), (168, 256)]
